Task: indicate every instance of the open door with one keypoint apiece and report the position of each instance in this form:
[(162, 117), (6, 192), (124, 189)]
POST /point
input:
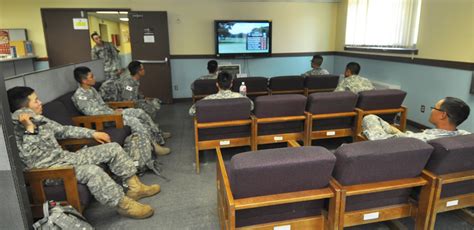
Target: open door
[(65, 45), (150, 45)]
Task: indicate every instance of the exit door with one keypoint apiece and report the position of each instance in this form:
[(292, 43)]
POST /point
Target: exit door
[(150, 45)]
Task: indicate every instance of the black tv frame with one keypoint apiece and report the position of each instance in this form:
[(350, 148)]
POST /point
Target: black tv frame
[(242, 55)]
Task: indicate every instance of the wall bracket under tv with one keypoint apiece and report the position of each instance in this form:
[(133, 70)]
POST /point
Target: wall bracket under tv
[(243, 38)]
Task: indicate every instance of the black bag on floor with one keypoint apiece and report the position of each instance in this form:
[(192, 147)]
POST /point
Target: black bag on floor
[(58, 217)]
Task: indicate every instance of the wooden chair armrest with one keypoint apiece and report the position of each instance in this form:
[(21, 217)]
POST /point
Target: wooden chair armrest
[(36, 177), (360, 189), (293, 143), (283, 198), (121, 104), (98, 120), (457, 177), (224, 178), (221, 124)]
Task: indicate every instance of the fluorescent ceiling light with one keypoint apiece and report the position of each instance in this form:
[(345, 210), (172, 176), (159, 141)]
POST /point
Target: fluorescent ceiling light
[(123, 12), (124, 19), (107, 12)]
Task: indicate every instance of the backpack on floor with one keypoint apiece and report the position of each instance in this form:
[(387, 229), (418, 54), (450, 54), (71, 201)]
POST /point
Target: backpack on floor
[(58, 217)]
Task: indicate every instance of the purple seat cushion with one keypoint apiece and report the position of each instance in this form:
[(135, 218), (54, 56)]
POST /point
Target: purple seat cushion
[(275, 171), (332, 102), (375, 161), (451, 155), (253, 84), (223, 110), (280, 106), (67, 102), (118, 135), (321, 82), (205, 87), (56, 111), (381, 99), (286, 83)]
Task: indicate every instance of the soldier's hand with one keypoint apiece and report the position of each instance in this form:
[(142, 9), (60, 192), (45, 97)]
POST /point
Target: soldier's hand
[(101, 137), (25, 120)]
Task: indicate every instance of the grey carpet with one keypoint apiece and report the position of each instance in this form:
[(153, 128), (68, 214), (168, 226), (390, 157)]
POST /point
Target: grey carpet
[(188, 201)]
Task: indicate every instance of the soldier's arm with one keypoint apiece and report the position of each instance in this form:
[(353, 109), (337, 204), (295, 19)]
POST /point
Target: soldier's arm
[(67, 131), (94, 54), (340, 87)]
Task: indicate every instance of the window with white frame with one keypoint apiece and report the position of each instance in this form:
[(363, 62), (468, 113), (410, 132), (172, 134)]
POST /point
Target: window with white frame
[(382, 24)]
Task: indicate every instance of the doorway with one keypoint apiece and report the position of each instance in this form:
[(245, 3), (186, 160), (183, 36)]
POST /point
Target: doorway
[(113, 27)]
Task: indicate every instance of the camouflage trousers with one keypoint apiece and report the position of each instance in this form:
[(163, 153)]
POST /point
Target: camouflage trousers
[(139, 149), (101, 185), (140, 122), (150, 106), (375, 128)]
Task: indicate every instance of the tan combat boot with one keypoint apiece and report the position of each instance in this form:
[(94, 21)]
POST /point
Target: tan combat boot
[(160, 150), (137, 190), (130, 208)]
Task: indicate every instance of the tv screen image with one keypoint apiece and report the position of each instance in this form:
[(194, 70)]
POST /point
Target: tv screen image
[(243, 37)]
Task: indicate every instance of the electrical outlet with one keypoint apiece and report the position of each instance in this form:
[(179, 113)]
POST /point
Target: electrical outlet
[(422, 108), (175, 87)]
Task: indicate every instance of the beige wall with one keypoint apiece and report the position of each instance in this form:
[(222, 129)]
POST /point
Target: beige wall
[(297, 27), (446, 29)]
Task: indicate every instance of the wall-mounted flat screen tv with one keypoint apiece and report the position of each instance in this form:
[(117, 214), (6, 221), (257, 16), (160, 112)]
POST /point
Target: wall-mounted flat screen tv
[(236, 38)]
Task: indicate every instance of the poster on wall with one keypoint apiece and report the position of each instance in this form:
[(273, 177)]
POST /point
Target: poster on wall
[(80, 23), (4, 43)]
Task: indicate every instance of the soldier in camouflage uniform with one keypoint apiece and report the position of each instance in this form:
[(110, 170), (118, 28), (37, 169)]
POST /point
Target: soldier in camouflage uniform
[(127, 89), (447, 114), (212, 69), (109, 53), (352, 81), (224, 82), (316, 63), (36, 138), (88, 101)]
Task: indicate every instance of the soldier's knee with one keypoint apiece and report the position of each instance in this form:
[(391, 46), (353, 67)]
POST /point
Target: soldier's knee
[(369, 118), (93, 169)]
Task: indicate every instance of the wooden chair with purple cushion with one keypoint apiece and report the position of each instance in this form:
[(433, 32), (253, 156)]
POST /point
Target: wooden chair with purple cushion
[(63, 111), (286, 85), (331, 115), (376, 179), (320, 83), (279, 118), (256, 86), (69, 191), (385, 103), (202, 88), (285, 187), (222, 123), (452, 167)]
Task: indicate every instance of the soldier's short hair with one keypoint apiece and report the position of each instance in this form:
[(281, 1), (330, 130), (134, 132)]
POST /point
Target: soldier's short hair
[(317, 59), (456, 109), (212, 66), (224, 80), (354, 67), (94, 34), (18, 97), (134, 67), (80, 73)]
